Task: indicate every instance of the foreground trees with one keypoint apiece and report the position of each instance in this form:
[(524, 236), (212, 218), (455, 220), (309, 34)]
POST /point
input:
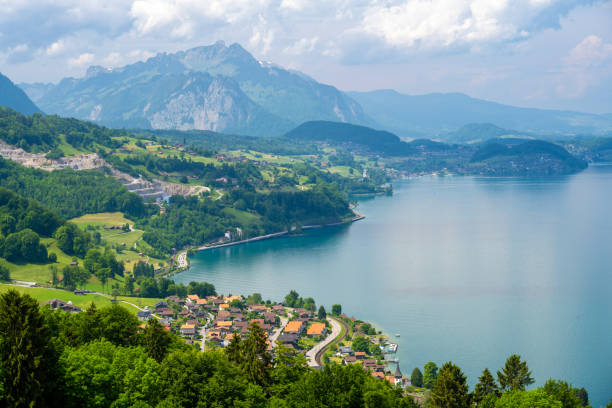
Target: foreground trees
[(101, 358)]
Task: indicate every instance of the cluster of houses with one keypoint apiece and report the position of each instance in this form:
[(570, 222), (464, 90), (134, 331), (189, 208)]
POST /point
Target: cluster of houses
[(377, 370), (217, 319)]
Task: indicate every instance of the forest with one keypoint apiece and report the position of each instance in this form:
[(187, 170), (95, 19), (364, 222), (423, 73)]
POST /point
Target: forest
[(104, 358)]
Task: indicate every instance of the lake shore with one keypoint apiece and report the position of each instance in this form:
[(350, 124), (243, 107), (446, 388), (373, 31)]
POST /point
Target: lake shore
[(355, 218)]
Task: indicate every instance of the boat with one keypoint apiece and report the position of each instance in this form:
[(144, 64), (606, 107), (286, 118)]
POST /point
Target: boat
[(397, 334)]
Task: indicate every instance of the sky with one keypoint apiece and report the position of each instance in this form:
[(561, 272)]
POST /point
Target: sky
[(535, 53)]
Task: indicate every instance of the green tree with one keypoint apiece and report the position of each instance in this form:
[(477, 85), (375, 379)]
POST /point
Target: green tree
[(289, 367), (26, 355), (254, 299), (5, 276), (336, 310), (322, 314), (361, 344), (155, 340), (118, 325), (416, 378), (515, 375), (256, 359), (234, 349), (450, 389), (486, 386), (527, 399), (430, 374), (562, 392), (291, 299)]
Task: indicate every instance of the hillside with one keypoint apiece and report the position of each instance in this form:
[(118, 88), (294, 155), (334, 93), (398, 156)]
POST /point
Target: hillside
[(518, 157), (218, 88), (376, 141), (433, 115), (13, 97)]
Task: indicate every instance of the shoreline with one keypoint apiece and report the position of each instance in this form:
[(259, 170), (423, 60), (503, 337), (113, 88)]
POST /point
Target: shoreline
[(355, 218)]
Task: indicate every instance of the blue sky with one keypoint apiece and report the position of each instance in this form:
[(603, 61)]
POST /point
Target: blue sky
[(537, 53)]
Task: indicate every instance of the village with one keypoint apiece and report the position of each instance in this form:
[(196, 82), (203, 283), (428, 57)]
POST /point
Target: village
[(211, 322)]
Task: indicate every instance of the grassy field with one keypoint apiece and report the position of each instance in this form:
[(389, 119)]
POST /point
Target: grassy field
[(118, 238), (83, 301), (45, 294)]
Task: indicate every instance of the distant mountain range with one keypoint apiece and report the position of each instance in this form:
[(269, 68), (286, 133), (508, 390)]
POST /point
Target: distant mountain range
[(14, 97), (215, 87), (434, 115), (225, 89)]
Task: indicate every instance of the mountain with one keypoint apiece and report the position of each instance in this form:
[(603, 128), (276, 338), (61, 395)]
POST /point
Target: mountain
[(480, 132), (219, 88), (434, 115), (13, 97), (343, 133), (515, 157)]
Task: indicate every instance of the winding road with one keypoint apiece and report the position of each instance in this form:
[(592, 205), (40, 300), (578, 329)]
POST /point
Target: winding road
[(313, 355)]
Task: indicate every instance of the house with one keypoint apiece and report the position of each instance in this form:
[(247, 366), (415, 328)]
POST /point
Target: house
[(144, 315), (270, 317), (188, 330), (166, 313), (230, 299), (360, 355), (224, 324), (175, 299), (345, 350), (316, 329), (259, 322), (378, 374), (224, 306), (65, 306), (192, 298), (258, 308), (161, 305), (290, 339), (294, 327), (223, 315), (79, 292), (239, 317), (201, 302), (278, 308), (350, 359)]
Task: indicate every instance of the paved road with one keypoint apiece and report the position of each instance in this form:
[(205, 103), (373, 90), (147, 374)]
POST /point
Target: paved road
[(203, 334), (312, 353), (278, 331)]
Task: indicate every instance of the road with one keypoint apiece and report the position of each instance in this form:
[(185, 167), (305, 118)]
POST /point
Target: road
[(203, 334), (278, 331), (313, 352)]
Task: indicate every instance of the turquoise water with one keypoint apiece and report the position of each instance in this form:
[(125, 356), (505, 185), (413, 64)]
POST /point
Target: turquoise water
[(466, 269)]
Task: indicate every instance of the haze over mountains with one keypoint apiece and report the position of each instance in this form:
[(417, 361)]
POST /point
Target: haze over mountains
[(225, 89), (13, 97)]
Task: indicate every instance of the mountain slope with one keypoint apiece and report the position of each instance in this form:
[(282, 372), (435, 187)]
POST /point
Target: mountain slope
[(432, 114), (216, 88), (13, 97)]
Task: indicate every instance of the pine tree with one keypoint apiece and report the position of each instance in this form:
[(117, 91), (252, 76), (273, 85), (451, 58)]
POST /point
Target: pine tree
[(155, 339), (486, 386), (515, 375), (25, 352), (450, 389), (234, 349), (416, 378), (322, 313), (430, 374), (255, 356)]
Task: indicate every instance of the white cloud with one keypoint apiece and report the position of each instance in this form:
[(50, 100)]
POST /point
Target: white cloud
[(444, 23), (584, 67), (304, 45), (55, 48), (591, 50), (81, 61)]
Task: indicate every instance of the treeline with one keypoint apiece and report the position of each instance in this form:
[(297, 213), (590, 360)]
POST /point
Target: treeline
[(100, 358), (41, 133), (449, 388), (71, 193)]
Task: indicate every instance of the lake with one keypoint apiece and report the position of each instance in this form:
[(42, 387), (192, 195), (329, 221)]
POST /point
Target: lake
[(466, 269)]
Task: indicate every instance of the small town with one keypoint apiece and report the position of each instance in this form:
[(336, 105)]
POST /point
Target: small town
[(211, 322)]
